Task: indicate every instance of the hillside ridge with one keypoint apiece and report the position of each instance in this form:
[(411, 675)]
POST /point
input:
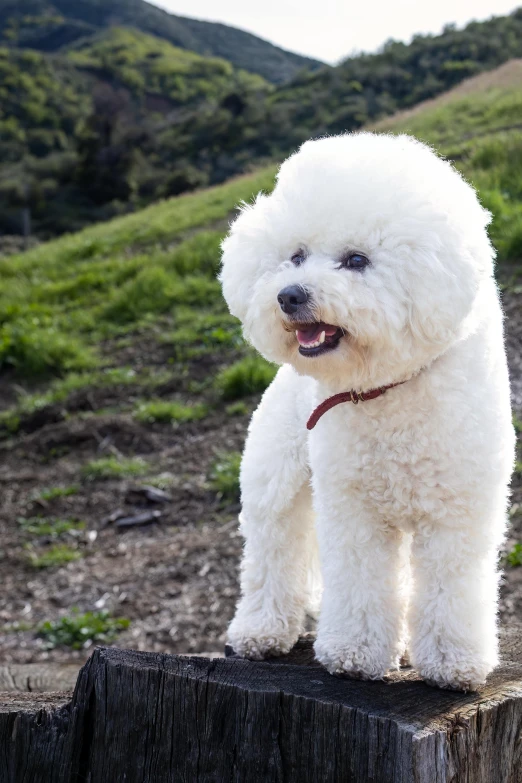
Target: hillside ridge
[(508, 74), (62, 22)]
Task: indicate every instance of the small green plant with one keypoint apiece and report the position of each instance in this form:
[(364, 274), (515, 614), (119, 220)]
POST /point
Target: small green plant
[(113, 468), (224, 476), (161, 481), (57, 555), (247, 376), (238, 408), (514, 558), (44, 526), (57, 492), (78, 629), (165, 411)]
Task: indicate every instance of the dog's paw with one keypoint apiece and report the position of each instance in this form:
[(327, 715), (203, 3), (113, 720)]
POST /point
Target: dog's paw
[(358, 661), (466, 676), (257, 647), (257, 641)]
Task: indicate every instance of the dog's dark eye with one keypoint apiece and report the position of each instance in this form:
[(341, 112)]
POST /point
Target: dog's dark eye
[(355, 261), (298, 257)]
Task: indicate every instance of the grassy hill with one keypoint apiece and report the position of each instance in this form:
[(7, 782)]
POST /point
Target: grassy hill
[(114, 277), (122, 368), (142, 119), (479, 126), (52, 25)]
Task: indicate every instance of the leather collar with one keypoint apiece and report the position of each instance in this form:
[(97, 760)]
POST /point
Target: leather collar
[(350, 396)]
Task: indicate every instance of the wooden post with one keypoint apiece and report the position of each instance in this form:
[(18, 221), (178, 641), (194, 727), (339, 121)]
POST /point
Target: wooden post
[(149, 718)]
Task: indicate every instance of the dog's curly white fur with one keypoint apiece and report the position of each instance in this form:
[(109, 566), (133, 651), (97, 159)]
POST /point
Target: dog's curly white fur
[(409, 489)]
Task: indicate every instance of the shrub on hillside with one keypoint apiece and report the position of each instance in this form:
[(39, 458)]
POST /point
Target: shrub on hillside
[(247, 376), (35, 350), (154, 290)]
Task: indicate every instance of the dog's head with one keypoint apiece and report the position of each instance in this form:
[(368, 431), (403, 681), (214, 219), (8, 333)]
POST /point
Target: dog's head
[(364, 263)]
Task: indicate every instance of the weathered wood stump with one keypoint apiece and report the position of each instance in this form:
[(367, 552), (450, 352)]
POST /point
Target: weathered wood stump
[(38, 677), (143, 718)]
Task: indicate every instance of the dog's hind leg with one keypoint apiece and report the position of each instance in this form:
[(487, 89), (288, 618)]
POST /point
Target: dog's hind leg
[(276, 522)]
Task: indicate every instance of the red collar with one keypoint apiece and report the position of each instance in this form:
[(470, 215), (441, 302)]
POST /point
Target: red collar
[(351, 396)]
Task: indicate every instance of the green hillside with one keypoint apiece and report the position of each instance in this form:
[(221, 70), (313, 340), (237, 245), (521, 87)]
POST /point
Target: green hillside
[(154, 271), (80, 130), (102, 123), (45, 100), (146, 65), (52, 25), (122, 370)]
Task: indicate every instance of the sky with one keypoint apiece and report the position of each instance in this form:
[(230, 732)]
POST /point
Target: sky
[(332, 29)]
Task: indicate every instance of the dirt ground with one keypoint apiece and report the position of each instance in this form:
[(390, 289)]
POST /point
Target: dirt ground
[(175, 579)]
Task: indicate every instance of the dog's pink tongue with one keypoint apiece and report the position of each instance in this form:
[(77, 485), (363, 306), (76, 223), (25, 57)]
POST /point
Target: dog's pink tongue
[(312, 333)]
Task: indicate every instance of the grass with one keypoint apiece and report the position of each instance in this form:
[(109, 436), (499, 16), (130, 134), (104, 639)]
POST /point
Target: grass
[(107, 468), (62, 388), (48, 526), (155, 290), (480, 132), (53, 493), (38, 349), (238, 408), (224, 476), (166, 412), (57, 555), (61, 299), (80, 630), (203, 333), (514, 557), (250, 375)]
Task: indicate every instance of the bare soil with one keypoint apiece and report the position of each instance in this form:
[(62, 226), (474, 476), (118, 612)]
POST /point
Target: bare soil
[(176, 579)]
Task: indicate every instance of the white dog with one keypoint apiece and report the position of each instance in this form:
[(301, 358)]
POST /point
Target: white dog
[(369, 271)]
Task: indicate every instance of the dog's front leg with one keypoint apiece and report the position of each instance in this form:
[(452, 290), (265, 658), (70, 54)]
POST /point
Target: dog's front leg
[(361, 620), (274, 580), (277, 524), (454, 602)]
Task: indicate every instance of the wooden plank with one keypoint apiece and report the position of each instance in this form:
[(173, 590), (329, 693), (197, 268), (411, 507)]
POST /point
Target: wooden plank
[(150, 718)]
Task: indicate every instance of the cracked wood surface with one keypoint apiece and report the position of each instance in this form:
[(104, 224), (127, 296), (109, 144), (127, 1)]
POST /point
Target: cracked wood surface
[(153, 718), (38, 677)]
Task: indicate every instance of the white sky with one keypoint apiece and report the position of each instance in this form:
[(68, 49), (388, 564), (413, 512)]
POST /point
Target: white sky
[(332, 29)]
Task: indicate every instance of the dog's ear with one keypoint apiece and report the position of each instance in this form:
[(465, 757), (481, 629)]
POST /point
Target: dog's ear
[(244, 255)]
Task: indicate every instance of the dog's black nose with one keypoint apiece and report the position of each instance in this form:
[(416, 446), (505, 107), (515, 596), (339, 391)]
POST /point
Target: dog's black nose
[(291, 298)]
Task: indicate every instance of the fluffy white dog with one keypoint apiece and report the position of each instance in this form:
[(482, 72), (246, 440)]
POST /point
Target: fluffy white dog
[(369, 271)]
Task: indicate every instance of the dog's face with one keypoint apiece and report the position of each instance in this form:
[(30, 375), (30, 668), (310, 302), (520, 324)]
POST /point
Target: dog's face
[(364, 263)]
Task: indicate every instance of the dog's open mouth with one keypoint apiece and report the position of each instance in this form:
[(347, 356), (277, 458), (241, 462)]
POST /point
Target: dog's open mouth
[(317, 338)]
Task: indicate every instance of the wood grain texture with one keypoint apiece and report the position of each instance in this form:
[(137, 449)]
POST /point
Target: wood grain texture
[(38, 677), (150, 718)]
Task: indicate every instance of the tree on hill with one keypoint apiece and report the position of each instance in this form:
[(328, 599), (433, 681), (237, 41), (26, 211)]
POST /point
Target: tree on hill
[(106, 148)]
